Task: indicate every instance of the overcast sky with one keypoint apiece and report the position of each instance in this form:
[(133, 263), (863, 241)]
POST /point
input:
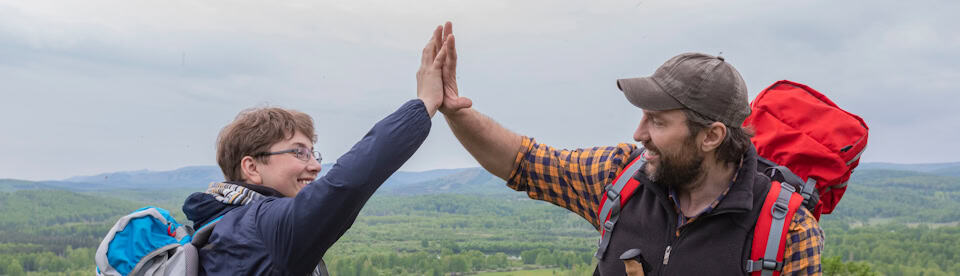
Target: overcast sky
[(113, 85)]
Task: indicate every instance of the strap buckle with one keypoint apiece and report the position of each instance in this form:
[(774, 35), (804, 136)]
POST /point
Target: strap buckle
[(779, 210), (781, 206), (809, 193), (609, 225), (612, 195), (763, 264)]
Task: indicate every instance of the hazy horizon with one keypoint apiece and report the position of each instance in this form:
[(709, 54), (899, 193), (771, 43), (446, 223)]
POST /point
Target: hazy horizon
[(866, 165)]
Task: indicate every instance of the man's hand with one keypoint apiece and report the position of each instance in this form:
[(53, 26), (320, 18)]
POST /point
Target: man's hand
[(494, 146), (429, 83), (452, 102)]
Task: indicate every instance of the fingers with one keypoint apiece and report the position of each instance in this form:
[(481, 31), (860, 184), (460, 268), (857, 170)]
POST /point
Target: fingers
[(440, 59), (438, 34), (447, 30), (437, 38), (430, 51), (449, 45)]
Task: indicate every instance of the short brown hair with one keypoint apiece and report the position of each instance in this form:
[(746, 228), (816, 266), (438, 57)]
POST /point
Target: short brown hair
[(734, 145), (253, 131)]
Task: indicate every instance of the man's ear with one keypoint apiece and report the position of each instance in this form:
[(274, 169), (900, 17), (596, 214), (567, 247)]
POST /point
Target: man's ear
[(251, 171), (713, 136)]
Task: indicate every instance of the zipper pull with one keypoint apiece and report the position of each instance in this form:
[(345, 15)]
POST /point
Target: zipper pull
[(666, 256)]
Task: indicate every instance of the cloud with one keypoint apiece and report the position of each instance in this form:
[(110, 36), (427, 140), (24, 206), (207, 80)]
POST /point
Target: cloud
[(108, 85)]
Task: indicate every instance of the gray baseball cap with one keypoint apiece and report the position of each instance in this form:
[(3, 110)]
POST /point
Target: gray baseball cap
[(703, 83)]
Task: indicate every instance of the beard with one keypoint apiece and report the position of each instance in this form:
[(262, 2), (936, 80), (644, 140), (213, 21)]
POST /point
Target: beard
[(677, 169)]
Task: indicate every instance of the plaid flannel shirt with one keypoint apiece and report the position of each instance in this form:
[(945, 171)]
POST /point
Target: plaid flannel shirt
[(574, 179)]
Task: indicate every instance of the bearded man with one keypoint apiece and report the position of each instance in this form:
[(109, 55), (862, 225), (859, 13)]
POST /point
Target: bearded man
[(700, 192)]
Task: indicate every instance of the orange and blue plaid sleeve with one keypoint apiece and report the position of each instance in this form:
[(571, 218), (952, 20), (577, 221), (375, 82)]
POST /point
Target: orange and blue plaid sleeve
[(804, 245), (572, 179)]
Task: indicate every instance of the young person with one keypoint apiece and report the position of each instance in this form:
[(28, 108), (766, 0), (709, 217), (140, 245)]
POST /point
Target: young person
[(274, 216)]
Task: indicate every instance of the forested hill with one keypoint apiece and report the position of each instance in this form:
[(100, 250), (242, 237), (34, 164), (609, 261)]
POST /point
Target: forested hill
[(948, 169), (902, 196), (466, 220), (465, 180), (873, 194)]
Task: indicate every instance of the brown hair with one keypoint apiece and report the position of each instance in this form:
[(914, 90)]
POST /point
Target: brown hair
[(253, 131), (734, 145)]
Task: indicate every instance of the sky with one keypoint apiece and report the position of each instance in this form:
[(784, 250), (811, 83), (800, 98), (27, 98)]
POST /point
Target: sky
[(95, 86)]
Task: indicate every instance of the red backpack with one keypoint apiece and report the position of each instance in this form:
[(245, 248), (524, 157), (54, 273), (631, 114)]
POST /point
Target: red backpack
[(801, 129), (807, 145)]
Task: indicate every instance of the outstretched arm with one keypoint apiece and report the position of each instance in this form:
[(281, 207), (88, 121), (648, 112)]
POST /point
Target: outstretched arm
[(299, 230), (494, 146), (572, 179)]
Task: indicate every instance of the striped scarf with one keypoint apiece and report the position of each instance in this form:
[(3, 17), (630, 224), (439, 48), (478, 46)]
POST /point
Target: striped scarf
[(232, 194)]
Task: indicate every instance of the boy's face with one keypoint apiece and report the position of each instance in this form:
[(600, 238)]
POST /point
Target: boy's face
[(285, 172)]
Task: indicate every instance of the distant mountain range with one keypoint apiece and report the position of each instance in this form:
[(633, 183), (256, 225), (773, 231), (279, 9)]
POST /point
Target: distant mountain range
[(463, 181), (946, 169)]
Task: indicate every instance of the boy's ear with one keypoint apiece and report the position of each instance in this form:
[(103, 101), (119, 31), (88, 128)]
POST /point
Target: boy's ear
[(251, 173)]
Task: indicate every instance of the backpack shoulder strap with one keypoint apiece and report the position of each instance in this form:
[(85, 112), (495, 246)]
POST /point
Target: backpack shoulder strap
[(770, 233), (807, 189), (202, 234), (617, 193)]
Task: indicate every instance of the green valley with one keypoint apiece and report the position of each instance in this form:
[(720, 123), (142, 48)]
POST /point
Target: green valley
[(889, 223)]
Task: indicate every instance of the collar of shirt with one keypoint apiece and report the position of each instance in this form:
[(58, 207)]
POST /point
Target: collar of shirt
[(683, 219)]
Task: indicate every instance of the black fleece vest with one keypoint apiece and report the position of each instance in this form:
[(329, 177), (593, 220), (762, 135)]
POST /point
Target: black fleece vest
[(716, 243)]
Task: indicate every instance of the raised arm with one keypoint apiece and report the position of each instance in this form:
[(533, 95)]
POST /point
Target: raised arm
[(494, 146), (572, 179), (491, 144), (298, 231)]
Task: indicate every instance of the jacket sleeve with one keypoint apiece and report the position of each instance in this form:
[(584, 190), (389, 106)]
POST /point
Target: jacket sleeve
[(298, 231)]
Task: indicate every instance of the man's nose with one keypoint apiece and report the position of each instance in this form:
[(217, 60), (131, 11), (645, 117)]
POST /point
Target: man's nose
[(641, 134)]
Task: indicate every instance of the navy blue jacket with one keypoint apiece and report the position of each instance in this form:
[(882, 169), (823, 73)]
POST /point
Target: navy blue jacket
[(289, 236)]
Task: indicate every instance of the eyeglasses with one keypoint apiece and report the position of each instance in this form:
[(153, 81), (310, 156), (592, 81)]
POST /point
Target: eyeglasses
[(301, 153)]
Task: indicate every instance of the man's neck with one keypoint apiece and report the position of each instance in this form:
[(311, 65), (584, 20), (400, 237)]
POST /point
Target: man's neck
[(706, 188)]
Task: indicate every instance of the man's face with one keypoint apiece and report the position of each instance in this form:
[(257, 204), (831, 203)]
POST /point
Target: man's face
[(285, 172), (673, 156)]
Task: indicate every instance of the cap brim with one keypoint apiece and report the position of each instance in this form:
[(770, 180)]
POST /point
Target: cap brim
[(646, 94)]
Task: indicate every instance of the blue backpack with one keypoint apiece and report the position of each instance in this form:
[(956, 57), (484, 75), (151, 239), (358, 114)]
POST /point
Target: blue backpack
[(150, 242)]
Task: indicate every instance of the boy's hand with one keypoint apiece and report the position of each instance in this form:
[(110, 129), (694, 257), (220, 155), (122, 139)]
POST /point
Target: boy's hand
[(429, 83)]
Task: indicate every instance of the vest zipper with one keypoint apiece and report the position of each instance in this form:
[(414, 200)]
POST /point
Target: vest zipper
[(674, 240), (666, 256), (672, 228)]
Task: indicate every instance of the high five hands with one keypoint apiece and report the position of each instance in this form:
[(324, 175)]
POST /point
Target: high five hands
[(437, 76), (429, 76), (452, 102)]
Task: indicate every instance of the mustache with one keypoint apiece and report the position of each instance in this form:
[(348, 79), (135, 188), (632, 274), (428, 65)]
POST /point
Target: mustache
[(650, 146)]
